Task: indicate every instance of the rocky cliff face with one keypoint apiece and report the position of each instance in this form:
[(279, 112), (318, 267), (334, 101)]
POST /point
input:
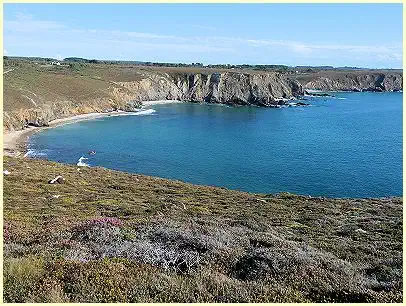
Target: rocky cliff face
[(268, 89), (37, 102), (356, 82), (43, 114), (227, 88)]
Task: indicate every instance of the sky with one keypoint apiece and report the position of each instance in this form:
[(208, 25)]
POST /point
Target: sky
[(361, 35)]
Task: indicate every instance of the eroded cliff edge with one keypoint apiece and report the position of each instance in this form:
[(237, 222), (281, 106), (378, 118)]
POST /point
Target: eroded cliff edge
[(266, 89), (355, 81), (36, 95)]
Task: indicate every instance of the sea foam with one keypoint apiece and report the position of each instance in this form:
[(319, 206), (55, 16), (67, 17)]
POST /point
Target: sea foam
[(144, 112), (81, 163), (149, 111), (35, 153)]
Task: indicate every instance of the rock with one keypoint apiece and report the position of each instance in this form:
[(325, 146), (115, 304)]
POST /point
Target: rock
[(132, 106), (115, 187), (262, 89), (6, 172), (59, 179), (360, 230), (318, 94), (261, 200), (91, 152), (354, 81), (37, 122), (302, 104)]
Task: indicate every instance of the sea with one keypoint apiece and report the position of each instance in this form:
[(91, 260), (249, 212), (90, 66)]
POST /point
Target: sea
[(347, 145)]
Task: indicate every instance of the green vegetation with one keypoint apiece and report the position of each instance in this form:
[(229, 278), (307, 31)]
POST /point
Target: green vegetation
[(33, 89), (109, 236), (13, 60)]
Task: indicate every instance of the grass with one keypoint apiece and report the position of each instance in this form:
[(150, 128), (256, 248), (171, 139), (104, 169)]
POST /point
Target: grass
[(117, 237), (53, 92), (35, 91)]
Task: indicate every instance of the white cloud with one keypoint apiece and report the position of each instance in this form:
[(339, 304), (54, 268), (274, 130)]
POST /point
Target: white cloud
[(5, 52), (301, 48), (57, 37), (27, 23), (381, 53)]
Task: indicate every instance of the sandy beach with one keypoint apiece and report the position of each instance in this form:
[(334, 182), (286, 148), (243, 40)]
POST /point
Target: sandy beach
[(14, 143)]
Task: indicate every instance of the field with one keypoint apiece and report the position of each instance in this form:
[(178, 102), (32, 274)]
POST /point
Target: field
[(109, 236)]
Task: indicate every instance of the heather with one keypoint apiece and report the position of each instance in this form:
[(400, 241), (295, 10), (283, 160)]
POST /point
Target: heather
[(109, 236)]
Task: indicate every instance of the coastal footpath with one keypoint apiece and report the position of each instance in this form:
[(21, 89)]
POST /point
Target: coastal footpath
[(35, 95)]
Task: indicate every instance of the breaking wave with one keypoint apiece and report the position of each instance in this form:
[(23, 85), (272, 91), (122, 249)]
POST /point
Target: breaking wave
[(35, 153), (81, 163), (138, 113)]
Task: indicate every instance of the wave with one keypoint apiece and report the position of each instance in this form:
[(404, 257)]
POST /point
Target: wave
[(222, 104), (81, 163), (144, 112), (34, 153), (337, 98), (149, 111)]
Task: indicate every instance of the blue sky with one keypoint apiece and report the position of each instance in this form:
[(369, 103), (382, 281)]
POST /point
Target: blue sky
[(363, 35)]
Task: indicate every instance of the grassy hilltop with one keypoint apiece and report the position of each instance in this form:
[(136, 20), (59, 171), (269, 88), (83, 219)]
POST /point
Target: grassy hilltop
[(109, 236)]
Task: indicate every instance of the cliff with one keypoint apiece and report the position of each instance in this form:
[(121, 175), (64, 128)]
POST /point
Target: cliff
[(227, 88), (353, 81), (37, 94)]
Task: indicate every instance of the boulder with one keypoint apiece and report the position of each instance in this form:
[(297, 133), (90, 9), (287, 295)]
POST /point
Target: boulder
[(302, 104), (59, 179)]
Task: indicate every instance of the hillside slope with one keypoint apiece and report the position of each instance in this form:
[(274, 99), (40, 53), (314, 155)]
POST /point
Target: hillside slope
[(109, 236)]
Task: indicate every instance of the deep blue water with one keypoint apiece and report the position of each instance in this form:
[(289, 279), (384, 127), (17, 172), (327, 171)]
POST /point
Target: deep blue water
[(347, 146)]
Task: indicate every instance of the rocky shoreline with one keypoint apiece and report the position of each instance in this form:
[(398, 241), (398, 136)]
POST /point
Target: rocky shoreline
[(266, 89), (368, 81)]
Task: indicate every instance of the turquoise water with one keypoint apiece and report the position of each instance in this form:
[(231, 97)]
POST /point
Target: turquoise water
[(347, 146)]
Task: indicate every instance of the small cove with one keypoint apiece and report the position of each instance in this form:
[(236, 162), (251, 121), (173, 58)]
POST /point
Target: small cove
[(349, 145)]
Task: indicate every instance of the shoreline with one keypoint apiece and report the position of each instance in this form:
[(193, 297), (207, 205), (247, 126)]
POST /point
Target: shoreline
[(15, 142)]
